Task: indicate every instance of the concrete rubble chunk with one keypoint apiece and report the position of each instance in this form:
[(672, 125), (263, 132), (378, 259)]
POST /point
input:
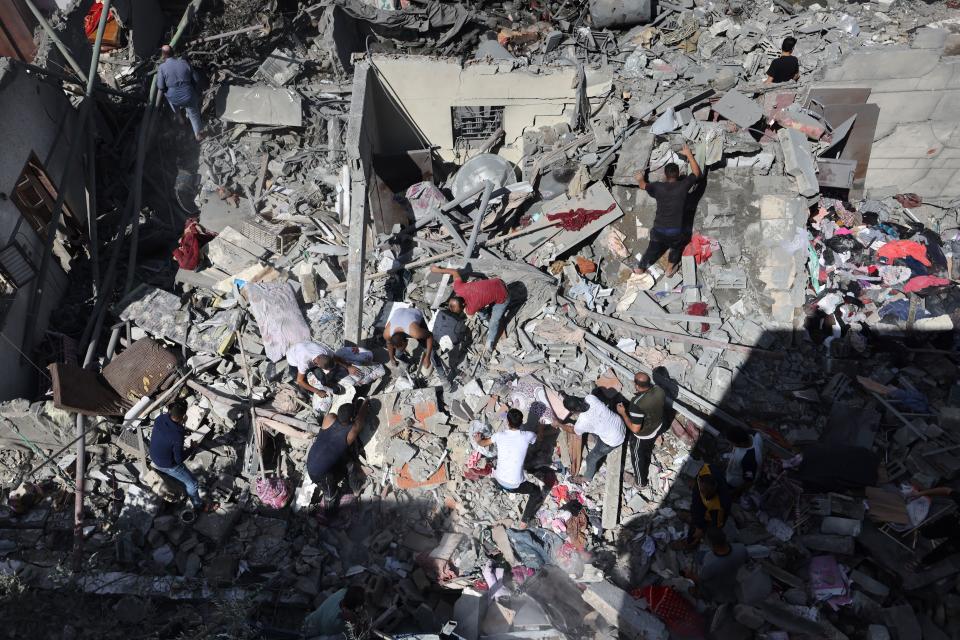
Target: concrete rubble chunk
[(735, 106), (625, 613), (799, 162)]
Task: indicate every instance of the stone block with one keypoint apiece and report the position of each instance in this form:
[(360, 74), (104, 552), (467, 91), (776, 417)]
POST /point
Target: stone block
[(869, 584), (217, 525), (840, 545), (841, 526), (799, 162), (625, 613)]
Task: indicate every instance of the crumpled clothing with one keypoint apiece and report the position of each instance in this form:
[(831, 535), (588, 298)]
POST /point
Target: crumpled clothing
[(521, 574), (900, 310), (909, 200), (424, 197), (273, 491), (896, 249), (477, 466), (534, 547), (924, 282), (577, 219), (279, 318), (699, 248), (187, 253), (891, 275)]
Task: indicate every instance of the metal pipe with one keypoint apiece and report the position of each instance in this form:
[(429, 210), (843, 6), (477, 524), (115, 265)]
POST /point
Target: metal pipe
[(62, 76), (91, 223), (93, 235), (484, 204), (59, 43)]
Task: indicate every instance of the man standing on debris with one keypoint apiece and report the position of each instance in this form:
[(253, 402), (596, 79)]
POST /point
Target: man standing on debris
[(404, 323), (710, 507), (716, 579), (786, 67), (669, 232), (477, 296), (327, 458), (644, 418), (345, 606), (512, 446), (744, 463), (166, 451), (177, 81), (592, 416)]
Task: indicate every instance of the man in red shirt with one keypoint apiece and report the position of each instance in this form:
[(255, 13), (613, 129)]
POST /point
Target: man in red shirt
[(471, 297)]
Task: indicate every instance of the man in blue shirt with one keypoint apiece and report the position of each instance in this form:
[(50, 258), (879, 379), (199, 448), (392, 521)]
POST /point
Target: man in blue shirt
[(166, 450), (176, 81)]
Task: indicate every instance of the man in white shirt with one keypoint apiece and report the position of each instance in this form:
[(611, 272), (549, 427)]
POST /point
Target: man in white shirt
[(403, 323), (512, 445), (356, 363), (593, 416)]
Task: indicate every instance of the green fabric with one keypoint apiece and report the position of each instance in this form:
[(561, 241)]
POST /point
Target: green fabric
[(326, 620), (648, 406)]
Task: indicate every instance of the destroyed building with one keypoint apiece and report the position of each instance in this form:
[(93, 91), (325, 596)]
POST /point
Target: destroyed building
[(359, 161)]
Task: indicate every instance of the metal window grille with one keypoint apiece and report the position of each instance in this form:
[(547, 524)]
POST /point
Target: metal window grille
[(475, 124)]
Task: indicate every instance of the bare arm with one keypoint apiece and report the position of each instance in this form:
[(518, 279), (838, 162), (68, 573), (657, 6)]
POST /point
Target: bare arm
[(357, 423), (622, 410), (480, 440), (563, 426), (453, 273), (641, 179), (768, 80), (428, 352), (420, 332), (303, 384), (694, 167), (391, 350)]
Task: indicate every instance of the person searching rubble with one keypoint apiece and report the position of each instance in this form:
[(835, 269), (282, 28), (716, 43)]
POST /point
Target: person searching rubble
[(785, 67), (669, 233), (743, 467), (512, 445), (343, 608), (167, 454), (715, 579), (591, 415), (488, 296), (179, 84), (710, 507), (402, 324), (644, 418), (307, 356), (328, 457)]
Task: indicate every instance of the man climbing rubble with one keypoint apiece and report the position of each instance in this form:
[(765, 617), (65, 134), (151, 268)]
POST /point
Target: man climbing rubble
[(328, 455), (786, 67), (177, 81), (512, 445), (644, 418), (167, 454), (404, 323), (669, 233), (485, 296), (591, 415)]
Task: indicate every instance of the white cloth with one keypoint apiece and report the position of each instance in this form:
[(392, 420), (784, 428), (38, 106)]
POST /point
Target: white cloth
[(512, 446), (602, 422), (401, 318), (302, 355)]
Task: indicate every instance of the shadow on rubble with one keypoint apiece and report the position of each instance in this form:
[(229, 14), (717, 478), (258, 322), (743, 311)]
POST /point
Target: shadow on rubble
[(802, 395)]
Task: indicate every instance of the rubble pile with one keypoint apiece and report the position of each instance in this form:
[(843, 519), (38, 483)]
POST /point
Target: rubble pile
[(807, 312)]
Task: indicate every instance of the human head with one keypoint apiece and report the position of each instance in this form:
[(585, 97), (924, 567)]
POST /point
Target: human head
[(177, 410), (514, 418), (739, 437), (399, 341), (324, 362), (642, 381), (717, 538), (708, 486), (456, 304), (788, 44), (352, 604), (166, 51), (671, 171), (345, 413), (575, 405)]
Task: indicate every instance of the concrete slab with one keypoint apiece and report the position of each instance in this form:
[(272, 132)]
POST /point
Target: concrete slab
[(259, 105), (884, 64), (619, 609), (739, 108)]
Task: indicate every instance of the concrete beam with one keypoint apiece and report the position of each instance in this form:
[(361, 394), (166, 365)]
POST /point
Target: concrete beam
[(359, 161)]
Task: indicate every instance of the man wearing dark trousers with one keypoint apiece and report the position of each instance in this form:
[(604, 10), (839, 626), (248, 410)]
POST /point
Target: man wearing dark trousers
[(593, 416), (644, 419), (669, 234), (786, 67), (512, 445), (478, 296), (167, 455), (328, 455)]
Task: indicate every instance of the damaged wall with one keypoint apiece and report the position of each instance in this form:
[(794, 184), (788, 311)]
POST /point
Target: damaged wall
[(428, 88), (39, 120)]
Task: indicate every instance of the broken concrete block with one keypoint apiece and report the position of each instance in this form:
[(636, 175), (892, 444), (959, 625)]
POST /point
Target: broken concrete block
[(798, 161), (217, 525), (469, 611), (841, 526), (841, 545), (868, 584), (739, 108), (625, 613), (259, 104)]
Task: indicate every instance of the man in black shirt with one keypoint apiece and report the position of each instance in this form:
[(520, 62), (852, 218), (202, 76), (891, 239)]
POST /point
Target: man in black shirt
[(786, 67), (644, 418), (329, 453), (668, 233)]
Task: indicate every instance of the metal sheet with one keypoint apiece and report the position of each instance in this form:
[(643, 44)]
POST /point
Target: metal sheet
[(860, 141), (839, 134), (836, 174), (826, 95)]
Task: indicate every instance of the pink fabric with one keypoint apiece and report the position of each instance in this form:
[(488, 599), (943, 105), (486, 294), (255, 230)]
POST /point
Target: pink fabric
[(272, 491), (902, 249), (922, 282)]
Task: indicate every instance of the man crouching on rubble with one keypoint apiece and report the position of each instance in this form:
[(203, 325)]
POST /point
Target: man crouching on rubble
[(404, 323), (669, 232), (351, 366), (166, 452), (478, 296), (329, 453)]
